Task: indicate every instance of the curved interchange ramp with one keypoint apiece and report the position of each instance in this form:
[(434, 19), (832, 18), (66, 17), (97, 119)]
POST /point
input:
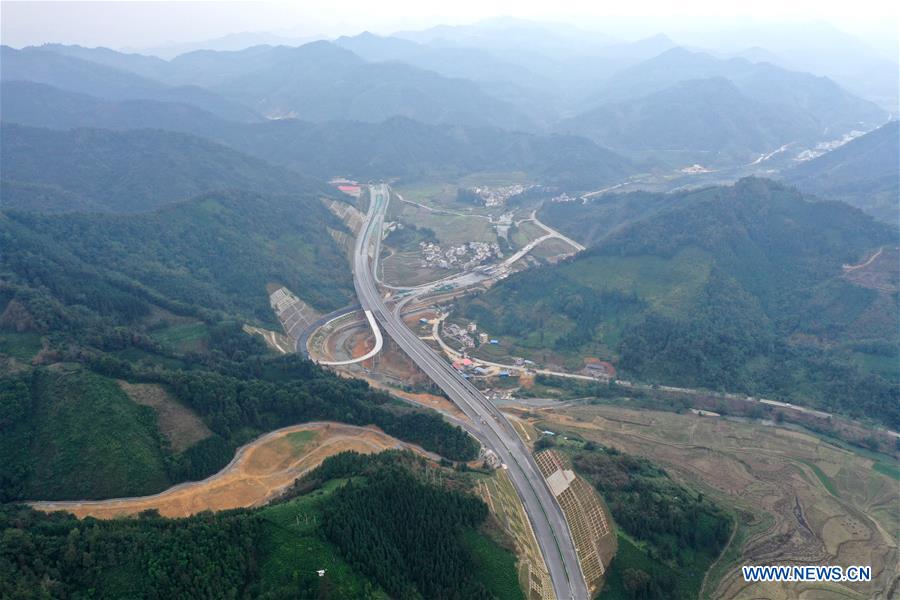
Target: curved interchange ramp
[(489, 426), (379, 342)]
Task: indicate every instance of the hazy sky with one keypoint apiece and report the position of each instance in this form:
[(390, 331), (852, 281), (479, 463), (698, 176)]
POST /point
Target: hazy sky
[(145, 24)]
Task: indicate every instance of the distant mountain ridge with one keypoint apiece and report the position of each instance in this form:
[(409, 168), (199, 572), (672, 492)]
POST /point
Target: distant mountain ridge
[(721, 111), (130, 171), (864, 172), (639, 96), (704, 120), (85, 76), (820, 97), (405, 148), (318, 81)]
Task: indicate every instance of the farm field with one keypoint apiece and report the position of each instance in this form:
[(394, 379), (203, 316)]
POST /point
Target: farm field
[(405, 268), (797, 498), (450, 227), (552, 249)]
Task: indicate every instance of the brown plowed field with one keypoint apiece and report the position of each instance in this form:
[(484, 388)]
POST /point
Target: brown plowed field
[(260, 471)]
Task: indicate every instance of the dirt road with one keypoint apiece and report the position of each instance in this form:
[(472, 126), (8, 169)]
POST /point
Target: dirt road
[(259, 471)]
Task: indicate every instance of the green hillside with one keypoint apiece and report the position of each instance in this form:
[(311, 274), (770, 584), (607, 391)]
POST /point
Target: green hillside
[(683, 105), (705, 120), (159, 298), (730, 288), (276, 551), (41, 105), (129, 171), (406, 148), (213, 253), (590, 223), (864, 172), (666, 530), (81, 437)]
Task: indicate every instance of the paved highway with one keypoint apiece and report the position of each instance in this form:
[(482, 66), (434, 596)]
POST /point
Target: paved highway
[(492, 428)]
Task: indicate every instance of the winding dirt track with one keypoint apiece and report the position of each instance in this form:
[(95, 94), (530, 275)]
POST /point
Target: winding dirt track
[(259, 471)]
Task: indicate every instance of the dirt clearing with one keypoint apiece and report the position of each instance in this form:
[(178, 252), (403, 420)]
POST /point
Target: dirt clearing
[(176, 422), (260, 471)]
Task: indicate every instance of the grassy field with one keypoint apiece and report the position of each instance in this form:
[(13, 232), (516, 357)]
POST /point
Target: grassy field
[(22, 346), (631, 556), (300, 439), (668, 284), (176, 422), (406, 269), (183, 337), (495, 566), (449, 228), (443, 194), (524, 233), (552, 249), (295, 549)]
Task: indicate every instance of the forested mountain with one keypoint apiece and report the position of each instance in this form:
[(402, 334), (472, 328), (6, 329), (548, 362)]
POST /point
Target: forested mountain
[(735, 288), (159, 298), (411, 150), (544, 76), (864, 172), (591, 222), (451, 61), (314, 82), (535, 94), (733, 109), (704, 120), (77, 75), (323, 82), (406, 148), (42, 105), (823, 99), (376, 525), (131, 171), (145, 65), (216, 252)]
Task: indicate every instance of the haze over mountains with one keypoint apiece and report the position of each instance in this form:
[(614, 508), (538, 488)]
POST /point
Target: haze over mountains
[(508, 74), (129, 171)]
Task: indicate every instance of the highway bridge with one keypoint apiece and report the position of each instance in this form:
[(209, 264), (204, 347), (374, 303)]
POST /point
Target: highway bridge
[(490, 426)]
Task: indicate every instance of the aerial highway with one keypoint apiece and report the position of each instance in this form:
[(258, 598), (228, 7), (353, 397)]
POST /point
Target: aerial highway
[(375, 349), (490, 426)]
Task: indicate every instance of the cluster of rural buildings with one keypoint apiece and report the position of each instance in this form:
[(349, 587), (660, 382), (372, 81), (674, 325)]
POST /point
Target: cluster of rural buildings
[(598, 369), (466, 336), (564, 197), (463, 256), (469, 338), (497, 196)]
